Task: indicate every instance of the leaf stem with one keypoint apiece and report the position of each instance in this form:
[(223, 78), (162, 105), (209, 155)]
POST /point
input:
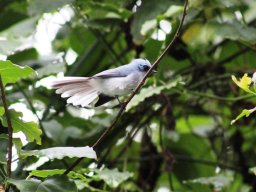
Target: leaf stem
[(122, 109), (10, 129)]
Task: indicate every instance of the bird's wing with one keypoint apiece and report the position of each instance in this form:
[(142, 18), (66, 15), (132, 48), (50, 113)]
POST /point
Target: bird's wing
[(110, 73)]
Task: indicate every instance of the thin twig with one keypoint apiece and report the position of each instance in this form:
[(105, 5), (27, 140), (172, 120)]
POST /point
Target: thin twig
[(122, 109), (233, 56), (10, 130), (32, 108)]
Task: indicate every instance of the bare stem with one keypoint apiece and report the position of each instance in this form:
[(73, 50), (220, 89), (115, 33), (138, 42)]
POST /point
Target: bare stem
[(122, 109), (10, 130)]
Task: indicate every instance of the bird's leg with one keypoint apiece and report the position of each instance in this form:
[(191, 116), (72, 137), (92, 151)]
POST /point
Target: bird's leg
[(120, 103), (118, 100)]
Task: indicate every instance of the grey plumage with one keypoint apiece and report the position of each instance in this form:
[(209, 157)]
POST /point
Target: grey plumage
[(103, 86)]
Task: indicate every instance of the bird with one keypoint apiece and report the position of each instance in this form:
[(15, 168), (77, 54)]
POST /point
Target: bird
[(104, 86)]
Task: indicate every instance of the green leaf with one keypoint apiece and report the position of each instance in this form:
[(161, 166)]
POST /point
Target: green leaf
[(245, 112), (59, 183), (150, 91), (112, 176), (1, 111), (198, 33), (39, 7), (11, 73), (30, 129), (46, 173), (61, 152)]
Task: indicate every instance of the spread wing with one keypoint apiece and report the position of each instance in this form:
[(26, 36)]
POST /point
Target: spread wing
[(110, 73)]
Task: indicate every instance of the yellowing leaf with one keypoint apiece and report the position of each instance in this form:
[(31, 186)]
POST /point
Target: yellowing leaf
[(244, 83)]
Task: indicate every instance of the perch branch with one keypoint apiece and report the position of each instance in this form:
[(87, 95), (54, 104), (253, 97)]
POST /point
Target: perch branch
[(10, 130)]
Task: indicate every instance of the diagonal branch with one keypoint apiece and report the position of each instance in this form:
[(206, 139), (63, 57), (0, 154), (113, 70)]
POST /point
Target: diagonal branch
[(122, 109), (10, 130)]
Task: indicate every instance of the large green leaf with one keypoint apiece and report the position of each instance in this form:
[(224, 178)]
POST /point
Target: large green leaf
[(11, 73), (61, 152), (59, 183), (30, 129), (198, 33)]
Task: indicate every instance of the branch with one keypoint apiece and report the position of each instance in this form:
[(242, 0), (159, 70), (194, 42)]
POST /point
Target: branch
[(233, 56), (10, 130), (122, 109)]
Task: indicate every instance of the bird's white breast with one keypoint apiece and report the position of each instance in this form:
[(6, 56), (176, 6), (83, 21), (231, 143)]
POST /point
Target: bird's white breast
[(118, 85)]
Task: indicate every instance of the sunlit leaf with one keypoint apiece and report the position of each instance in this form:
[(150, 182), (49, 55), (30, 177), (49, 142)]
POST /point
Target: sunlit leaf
[(59, 183), (61, 152), (244, 113), (1, 111), (14, 37), (30, 129), (11, 73), (244, 83)]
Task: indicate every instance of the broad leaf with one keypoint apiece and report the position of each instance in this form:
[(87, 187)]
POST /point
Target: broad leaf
[(30, 129), (59, 183), (46, 173), (11, 73), (61, 152)]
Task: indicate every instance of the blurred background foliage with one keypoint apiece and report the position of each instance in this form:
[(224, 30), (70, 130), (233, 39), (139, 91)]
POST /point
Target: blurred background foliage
[(175, 134)]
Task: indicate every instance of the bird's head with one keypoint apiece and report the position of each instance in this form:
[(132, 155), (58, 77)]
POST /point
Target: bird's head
[(143, 65)]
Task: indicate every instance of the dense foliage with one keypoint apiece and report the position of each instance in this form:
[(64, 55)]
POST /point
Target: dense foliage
[(176, 134)]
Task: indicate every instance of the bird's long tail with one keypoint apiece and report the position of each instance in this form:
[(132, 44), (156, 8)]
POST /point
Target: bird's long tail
[(78, 90)]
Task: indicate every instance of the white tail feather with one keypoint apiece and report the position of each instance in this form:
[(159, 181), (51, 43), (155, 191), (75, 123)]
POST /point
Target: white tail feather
[(78, 89)]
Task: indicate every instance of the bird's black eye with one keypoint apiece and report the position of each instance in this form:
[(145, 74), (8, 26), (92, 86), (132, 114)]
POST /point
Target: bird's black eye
[(145, 67)]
